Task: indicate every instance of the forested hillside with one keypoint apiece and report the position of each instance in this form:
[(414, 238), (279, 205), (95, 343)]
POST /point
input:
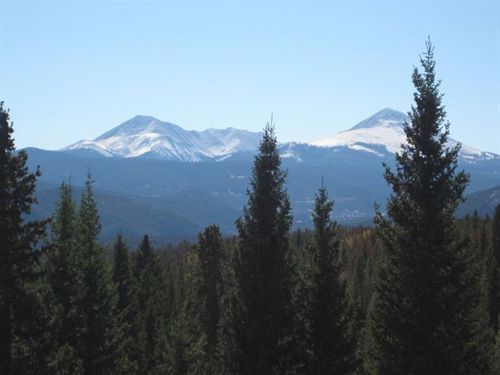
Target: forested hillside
[(417, 294)]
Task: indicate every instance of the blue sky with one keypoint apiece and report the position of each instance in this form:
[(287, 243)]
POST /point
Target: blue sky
[(74, 69)]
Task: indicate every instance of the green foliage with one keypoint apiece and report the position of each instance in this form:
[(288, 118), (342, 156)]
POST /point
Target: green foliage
[(149, 326), (494, 266), (125, 307), (99, 338), (264, 268), (204, 304), (427, 314), (228, 352), (19, 255), (326, 342), (64, 275), (418, 295)]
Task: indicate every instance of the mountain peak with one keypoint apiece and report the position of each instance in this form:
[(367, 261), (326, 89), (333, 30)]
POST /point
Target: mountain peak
[(149, 137), (139, 124), (386, 116)]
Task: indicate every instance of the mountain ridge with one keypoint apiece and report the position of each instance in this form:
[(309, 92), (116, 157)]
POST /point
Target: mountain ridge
[(144, 136), (192, 195)]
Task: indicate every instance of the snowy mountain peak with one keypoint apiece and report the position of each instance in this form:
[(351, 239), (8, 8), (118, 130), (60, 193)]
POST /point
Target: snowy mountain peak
[(146, 136), (382, 134), (139, 124), (386, 117)]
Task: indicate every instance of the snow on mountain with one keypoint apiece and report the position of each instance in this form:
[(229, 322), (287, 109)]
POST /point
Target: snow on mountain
[(144, 136), (384, 132), (380, 135)]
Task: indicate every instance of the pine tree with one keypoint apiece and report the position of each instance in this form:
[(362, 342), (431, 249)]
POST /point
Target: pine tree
[(99, 339), (149, 323), (19, 254), (264, 269), (426, 316), (326, 340), (65, 278)]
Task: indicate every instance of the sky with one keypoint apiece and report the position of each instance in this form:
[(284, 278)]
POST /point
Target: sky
[(71, 70)]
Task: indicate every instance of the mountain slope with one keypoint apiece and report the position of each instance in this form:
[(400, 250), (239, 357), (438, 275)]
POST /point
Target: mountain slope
[(383, 133), (484, 202), (147, 137), (158, 192)]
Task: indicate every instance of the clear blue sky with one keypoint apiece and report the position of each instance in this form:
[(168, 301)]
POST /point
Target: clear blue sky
[(73, 69)]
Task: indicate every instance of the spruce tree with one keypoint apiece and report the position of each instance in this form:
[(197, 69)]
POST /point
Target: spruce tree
[(205, 306), (426, 316), (209, 253), (494, 298), (496, 355), (264, 269), (328, 347), (149, 326), (227, 350), (65, 278), (125, 307), (99, 338), (19, 254)]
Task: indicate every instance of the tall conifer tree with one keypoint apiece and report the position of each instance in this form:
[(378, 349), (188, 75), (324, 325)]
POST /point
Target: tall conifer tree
[(18, 252), (125, 307), (99, 339), (427, 315), (149, 324), (205, 306), (65, 277), (328, 347), (264, 269), (495, 272)]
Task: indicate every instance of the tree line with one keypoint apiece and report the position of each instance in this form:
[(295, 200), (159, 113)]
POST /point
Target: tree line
[(417, 294)]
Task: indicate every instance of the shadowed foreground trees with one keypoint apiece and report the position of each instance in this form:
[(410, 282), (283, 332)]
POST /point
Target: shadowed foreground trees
[(427, 315), (19, 253), (267, 301)]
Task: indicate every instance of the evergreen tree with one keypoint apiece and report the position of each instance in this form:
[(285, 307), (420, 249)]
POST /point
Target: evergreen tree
[(149, 323), (122, 276), (65, 278), (99, 339), (426, 316), (496, 355), (264, 269), (327, 344), (494, 298), (209, 253), (125, 307), (227, 350), (19, 254), (200, 312)]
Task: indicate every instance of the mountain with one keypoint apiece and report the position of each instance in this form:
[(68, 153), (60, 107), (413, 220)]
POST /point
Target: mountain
[(383, 133), (179, 181), (147, 137), (119, 212), (484, 202)]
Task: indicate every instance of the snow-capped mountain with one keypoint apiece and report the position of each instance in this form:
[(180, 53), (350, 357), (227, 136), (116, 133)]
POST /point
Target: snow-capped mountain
[(383, 133), (148, 137), (180, 199), (380, 135)]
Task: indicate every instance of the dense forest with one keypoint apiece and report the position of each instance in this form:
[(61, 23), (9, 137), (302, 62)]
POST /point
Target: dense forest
[(419, 293)]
